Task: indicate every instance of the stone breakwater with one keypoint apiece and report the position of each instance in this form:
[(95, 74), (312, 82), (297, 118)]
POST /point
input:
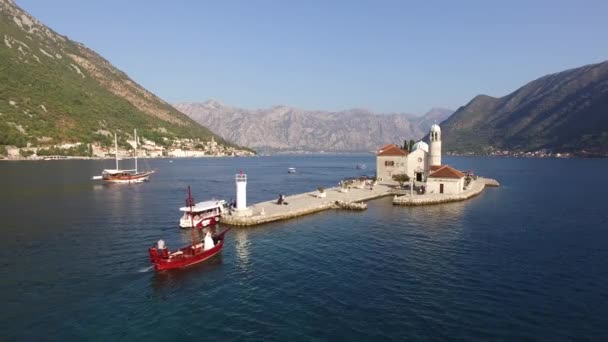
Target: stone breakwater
[(474, 189), (350, 205), (308, 203), (336, 198)]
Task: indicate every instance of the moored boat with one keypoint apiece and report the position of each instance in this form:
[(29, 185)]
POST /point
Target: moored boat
[(163, 259), (291, 170), (203, 214)]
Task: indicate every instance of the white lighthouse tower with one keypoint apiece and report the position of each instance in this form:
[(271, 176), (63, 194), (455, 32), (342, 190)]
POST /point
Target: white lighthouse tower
[(435, 145), (241, 195)]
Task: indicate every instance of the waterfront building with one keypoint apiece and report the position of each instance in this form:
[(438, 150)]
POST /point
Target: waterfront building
[(422, 164), (445, 180)]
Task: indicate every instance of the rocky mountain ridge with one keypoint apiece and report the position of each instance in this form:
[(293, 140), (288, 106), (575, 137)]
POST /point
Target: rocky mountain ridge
[(565, 112), (283, 128)]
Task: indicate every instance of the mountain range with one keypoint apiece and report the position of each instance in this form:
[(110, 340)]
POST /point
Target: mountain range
[(283, 128), (54, 90), (562, 112)]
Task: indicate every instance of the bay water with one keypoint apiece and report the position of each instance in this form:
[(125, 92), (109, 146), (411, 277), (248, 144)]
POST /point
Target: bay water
[(525, 261)]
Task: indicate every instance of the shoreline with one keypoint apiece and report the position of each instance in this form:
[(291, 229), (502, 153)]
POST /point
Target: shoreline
[(111, 158), (304, 154)]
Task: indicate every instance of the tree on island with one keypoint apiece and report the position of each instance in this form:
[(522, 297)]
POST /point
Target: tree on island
[(412, 143), (402, 178)]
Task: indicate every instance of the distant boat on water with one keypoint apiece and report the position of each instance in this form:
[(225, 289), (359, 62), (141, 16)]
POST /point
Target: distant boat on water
[(361, 167), (124, 176), (291, 170)]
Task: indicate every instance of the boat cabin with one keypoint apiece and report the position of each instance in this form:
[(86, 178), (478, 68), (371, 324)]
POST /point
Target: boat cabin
[(202, 214)]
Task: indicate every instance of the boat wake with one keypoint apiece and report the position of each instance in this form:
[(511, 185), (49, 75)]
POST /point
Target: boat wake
[(145, 269)]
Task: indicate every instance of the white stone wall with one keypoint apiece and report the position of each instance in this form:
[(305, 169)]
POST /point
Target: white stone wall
[(416, 162), (177, 153), (385, 173), (155, 153), (451, 186)]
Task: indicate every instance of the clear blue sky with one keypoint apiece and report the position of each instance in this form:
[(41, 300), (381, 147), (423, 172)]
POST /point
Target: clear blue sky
[(382, 55)]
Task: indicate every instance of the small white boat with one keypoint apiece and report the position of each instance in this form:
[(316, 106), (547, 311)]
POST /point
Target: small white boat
[(201, 214), (291, 170)]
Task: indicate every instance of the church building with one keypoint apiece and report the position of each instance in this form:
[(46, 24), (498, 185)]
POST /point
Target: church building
[(422, 164)]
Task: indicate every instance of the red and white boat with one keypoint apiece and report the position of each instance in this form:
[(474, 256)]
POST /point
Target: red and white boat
[(198, 251), (163, 259), (201, 214), (124, 176)]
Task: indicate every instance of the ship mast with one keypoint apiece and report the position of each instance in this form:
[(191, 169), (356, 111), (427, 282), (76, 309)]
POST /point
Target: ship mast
[(190, 204), (116, 150), (135, 136)]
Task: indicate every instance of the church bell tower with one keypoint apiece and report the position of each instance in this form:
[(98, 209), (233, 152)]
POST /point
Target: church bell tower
[(435, 145)]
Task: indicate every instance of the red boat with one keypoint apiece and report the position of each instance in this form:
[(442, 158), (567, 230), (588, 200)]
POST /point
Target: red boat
[(163, 259), (197, 252)]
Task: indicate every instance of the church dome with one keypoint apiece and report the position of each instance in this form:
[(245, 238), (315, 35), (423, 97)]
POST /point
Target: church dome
[(435, 128), (421, 145)]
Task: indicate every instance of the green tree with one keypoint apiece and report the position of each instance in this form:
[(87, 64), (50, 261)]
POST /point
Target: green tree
[(412, 143), (3, 151), (25, 153), (401, 178)]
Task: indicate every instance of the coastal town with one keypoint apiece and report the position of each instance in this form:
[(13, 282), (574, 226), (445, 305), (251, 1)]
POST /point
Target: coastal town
[(180, 148), (492, 152)]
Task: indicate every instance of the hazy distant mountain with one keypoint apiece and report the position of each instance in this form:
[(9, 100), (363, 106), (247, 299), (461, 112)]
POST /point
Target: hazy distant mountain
[(55, 90), (287, 128), (562, 112)]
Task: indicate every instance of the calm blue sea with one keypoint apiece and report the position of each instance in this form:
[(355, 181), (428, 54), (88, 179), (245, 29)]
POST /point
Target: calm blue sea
[(526, 261)]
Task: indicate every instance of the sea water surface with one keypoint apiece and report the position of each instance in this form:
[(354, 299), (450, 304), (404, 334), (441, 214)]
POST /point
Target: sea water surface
[(526, 261)]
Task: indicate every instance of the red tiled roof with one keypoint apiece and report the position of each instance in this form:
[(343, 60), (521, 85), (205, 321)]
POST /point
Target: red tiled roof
[(386, 147), (392, 151), (446, 171), (435, 167)]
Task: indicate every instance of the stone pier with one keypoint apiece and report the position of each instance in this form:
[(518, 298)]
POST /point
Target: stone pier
[(306, 203), (310, 202)]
